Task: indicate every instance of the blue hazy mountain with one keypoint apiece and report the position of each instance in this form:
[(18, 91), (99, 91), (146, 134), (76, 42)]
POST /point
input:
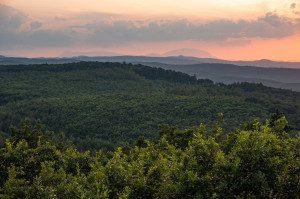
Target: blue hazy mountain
[(188, 52)]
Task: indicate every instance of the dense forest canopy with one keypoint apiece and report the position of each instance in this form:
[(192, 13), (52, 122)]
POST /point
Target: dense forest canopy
[(256, 161), (151, 133), (102, 105)]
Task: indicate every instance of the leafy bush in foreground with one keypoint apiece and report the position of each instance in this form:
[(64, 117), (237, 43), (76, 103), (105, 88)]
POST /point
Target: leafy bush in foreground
[(256, 161)]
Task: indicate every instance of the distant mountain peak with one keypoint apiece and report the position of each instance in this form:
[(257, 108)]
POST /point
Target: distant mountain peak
[(266, 60), (189, 52)]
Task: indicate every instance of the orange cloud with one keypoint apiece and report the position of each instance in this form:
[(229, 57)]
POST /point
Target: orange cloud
[(226, 28)]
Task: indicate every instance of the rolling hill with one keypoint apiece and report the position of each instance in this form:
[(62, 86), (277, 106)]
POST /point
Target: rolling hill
[(104, 104), (275, 74)]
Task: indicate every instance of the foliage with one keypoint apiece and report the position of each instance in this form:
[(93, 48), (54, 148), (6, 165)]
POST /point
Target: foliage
[(101, 105), (257, 161)]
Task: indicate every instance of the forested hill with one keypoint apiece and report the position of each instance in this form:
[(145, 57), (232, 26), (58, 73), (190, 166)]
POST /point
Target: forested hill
[(270, 73), (287, 78), (104, 104)]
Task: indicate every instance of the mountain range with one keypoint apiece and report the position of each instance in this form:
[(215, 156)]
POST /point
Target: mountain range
[(284, 75)]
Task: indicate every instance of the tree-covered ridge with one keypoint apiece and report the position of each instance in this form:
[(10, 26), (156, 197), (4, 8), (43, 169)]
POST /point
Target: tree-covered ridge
[(105, 104), (256, 161)]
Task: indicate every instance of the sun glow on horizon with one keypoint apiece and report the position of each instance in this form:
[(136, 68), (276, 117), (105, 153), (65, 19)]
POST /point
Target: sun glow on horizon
[(229, 29)]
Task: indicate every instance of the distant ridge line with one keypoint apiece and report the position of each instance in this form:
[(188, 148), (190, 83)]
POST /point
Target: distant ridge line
[(175, 60)]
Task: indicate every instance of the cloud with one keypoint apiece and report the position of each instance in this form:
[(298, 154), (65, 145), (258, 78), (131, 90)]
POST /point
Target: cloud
[(12, 33), (41, 38), (272, 19), (58, 18), (35, 25), (10, 18), (298, 23), (17, 30), (48, 38), (293, 6), (122, 32)]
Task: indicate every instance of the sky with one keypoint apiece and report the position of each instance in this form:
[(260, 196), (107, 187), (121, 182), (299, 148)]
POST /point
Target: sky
[(228, 29)]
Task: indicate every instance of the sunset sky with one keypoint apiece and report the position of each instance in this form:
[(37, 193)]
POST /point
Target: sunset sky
[(228, 29)]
